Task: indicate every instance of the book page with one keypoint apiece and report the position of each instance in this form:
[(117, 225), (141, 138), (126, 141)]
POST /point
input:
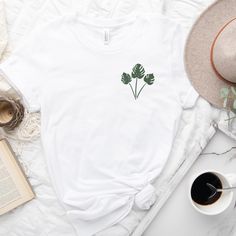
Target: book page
[(8, 189), (14, 186)]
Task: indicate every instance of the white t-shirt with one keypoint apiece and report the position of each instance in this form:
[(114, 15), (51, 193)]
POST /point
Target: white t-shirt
[(111, 93)]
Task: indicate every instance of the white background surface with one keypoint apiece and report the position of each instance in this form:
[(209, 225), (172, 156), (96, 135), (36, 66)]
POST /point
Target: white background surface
[(179, 218)]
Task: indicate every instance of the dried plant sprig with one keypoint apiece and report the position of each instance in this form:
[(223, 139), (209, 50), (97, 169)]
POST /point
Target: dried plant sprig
[(228, 94)]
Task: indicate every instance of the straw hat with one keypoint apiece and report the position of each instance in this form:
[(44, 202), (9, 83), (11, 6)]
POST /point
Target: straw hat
[(210, 52)]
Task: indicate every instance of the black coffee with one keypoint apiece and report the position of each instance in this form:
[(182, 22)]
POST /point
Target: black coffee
[(201, 193)]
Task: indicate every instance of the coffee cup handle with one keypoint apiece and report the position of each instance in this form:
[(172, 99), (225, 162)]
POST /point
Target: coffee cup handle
[(232, 179)]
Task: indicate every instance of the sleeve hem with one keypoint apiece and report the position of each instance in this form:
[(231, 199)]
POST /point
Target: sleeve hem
[(190, 98), (27, 103)]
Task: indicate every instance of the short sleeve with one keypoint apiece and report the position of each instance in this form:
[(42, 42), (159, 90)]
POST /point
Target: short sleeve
[(186, 93), (25, 69)]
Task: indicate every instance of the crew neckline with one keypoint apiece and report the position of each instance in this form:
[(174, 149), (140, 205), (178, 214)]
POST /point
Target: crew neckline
[(135, 29)]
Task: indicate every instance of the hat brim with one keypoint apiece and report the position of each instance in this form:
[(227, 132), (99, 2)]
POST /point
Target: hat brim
[(198, 50)]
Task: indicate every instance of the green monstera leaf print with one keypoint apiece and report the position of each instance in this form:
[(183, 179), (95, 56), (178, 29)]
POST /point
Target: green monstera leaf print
[(149, 79), (126, 78), (137, 73)]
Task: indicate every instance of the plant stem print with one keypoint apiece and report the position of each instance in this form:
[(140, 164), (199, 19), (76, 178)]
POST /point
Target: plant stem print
[(137, 75)]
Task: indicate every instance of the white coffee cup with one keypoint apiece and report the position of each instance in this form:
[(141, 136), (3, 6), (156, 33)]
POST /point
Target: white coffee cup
[(226, 198)]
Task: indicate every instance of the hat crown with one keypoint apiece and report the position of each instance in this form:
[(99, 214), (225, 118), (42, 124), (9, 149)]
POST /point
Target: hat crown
[(224, 52)]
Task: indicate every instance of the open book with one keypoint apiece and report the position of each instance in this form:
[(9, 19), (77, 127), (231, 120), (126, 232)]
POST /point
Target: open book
[(14, 186)]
